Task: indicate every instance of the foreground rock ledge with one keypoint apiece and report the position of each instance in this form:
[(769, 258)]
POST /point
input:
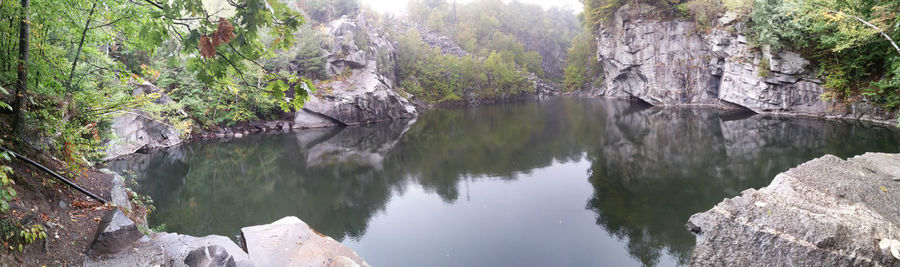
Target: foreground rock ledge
[(826, 212), (286, 242), (290, 242)]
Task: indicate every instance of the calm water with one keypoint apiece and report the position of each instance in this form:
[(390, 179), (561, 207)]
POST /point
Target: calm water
[(560, 182)]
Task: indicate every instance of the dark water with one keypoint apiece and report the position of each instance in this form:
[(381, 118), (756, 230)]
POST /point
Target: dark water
[(560, 182)]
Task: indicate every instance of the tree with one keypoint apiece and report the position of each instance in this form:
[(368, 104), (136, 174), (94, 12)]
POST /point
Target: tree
[(22, 85), (581, 65), (71, 74)]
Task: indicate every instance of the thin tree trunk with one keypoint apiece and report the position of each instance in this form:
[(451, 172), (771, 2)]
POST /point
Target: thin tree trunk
[(87, 25), (22, 88), (11, 64)]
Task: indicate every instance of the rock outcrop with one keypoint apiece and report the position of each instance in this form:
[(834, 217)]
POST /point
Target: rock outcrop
[(360, 60), (826, 211), (166, 249), (115, 233), (290, 242), (671, 62), (286, 242), (133, 130)]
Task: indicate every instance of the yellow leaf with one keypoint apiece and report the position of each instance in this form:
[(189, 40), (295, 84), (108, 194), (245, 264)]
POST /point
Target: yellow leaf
[(883, 188)]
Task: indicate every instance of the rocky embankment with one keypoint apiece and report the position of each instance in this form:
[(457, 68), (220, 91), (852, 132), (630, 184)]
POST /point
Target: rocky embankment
[(672, 62), (827, 211), (286, 242), (360, 92), (361, 63)]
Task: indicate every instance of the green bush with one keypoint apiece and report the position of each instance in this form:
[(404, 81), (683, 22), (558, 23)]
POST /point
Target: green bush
[(433, 77), (7, 193), (582, 67), (854, 58)]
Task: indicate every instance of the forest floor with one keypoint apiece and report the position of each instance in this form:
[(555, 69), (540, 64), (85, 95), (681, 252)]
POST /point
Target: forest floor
[(69, 217)]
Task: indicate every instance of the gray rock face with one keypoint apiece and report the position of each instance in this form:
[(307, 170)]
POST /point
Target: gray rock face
[(826, 211), (213, 255), (286, 242), (117, 194), (543, 87), (362, 90), (165, 249), (134, 131), (660, 62), (290, 242), (115, 233), (674, 63), (444, 43)]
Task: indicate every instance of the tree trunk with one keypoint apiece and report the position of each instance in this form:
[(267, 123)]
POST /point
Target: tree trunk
[(87, 25), (22, 88)]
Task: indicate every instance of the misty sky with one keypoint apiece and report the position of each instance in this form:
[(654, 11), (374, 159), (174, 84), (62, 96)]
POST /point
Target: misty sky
[(397, 6)]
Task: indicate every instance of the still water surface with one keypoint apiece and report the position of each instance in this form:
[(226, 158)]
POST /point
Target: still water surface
[(559, 182)]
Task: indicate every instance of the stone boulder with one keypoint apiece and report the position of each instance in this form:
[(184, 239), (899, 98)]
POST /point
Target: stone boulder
[(827, 211), (291, 242), (167, 249), (115, 233), (366, 100), (135, 131)]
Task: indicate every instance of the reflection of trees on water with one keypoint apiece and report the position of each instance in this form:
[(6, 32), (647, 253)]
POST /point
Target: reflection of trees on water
[(218, 187), (656, 167), (651, 168)]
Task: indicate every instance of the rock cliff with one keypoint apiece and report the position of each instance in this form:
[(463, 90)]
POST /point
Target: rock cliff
[(360, 62), (672, 62), (826, 211)]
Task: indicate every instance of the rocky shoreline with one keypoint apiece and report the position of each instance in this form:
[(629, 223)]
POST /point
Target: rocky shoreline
[(826, 211), (286, 242)]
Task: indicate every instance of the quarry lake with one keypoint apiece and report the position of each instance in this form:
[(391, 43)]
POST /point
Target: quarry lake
[(554, 182)]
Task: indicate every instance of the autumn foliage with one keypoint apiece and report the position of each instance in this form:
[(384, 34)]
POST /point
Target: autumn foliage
[(223, 34)]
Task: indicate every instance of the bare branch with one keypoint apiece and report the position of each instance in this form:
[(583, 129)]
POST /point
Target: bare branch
[(867, 23)]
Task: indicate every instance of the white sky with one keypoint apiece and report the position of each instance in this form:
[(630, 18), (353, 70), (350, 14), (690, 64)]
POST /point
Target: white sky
[(399, 6)]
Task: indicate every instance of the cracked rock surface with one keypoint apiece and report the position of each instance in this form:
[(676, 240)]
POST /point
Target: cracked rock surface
[(826, 211), (673, 62)]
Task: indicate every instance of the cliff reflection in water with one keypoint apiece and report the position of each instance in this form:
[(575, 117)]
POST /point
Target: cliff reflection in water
[(650, 168)]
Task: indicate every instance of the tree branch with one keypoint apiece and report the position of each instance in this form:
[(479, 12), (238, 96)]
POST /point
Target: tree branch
[(886, 36), (110, 23), (87, 25)]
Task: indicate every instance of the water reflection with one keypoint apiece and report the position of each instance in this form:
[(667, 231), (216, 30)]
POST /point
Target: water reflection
[(650, 168)]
